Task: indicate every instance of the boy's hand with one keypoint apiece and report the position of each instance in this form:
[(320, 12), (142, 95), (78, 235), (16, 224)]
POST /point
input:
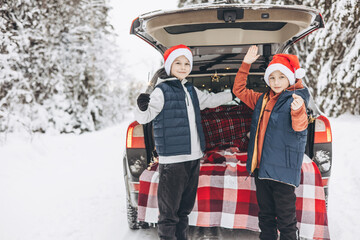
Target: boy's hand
[(143, 101), (251, 55), (297, 103)]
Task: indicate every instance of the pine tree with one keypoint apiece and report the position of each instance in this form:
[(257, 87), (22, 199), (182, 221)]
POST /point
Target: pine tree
[(19, 63), (331, 55), (183, 3), (336, 49), (58, 60)]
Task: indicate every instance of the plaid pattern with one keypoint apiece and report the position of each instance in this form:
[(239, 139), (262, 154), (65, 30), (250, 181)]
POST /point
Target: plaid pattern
[(226, 126), (227, 199)]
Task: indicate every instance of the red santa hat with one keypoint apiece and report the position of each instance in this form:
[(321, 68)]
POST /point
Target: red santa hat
[(288, 65), (176, 51)]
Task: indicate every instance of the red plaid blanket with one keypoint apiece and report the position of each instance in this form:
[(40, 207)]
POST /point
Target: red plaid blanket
[(226, 126), (226, 199)]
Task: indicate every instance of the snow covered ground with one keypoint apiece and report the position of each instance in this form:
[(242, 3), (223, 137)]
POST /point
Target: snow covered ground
[(71, 187)]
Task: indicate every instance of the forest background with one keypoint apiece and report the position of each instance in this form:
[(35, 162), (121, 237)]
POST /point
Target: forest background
[(62, 69)]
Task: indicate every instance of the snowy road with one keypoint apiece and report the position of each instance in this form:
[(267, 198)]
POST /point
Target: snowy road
[(70, 187), (196, 233)]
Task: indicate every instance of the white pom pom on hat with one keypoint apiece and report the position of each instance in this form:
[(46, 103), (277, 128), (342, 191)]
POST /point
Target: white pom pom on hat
[(176, 51), (299, 73), (287, 64)]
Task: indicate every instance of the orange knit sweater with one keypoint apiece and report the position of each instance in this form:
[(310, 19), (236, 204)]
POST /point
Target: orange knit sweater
[(250, 98)]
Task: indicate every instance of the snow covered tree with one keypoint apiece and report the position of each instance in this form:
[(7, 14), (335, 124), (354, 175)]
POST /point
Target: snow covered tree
[(330, 56), (58, 66), (183, 3)]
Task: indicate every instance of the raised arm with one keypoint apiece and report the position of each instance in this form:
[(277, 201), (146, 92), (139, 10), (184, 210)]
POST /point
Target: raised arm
[(249, 97)]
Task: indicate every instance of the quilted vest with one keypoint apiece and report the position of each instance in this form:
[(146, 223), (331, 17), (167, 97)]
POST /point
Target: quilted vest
[(171, 125), (283, 148)]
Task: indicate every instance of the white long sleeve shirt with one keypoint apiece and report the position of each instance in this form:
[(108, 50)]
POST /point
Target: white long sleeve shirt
[(206, 100)]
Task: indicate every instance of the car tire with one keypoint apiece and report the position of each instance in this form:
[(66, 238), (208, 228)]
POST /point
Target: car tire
[(144, 225), (132, 216)]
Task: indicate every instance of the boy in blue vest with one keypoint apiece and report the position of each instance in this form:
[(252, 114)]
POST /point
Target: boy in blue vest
[(174, 107), (278, 135)]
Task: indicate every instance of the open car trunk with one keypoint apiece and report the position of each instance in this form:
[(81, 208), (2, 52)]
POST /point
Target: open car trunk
[(219, 34), (226, 25)]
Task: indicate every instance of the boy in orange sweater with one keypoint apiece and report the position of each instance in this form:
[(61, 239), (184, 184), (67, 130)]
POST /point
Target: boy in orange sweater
[(278, 136)]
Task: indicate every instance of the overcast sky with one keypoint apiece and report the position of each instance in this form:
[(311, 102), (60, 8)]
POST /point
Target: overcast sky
[(139, 56)]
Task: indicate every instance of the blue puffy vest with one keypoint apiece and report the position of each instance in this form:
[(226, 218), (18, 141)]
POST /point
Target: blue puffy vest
[(171, 125), (283, 148)]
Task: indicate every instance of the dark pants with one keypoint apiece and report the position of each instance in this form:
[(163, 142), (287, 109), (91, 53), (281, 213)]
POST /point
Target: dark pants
[(176, 197), (277, 209)]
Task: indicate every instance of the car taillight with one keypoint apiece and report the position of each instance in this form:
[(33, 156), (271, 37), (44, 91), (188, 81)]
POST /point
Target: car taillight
[(135, 149), (322, 150), (322, 130), (135, 136)]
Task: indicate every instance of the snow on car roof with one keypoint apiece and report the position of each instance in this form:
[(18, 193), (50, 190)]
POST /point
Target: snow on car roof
[(224, 5)]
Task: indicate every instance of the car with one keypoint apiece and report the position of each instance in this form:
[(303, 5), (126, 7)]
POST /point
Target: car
[(219, 35)]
